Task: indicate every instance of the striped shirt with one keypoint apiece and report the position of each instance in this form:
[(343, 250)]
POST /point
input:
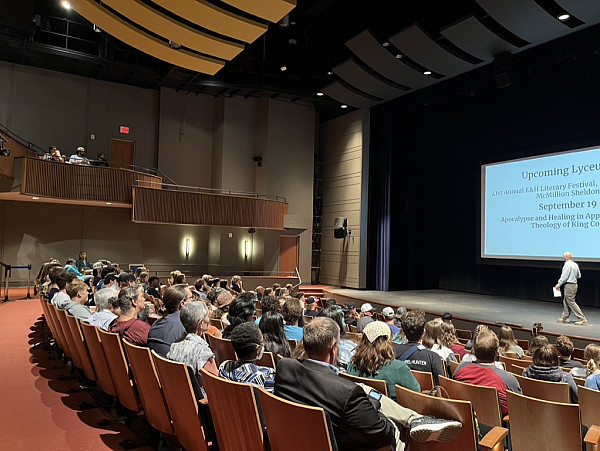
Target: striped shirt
[(248, 373)]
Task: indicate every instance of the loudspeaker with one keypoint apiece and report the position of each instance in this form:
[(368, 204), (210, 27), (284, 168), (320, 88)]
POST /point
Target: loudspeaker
[(340, 228), (502, 69)]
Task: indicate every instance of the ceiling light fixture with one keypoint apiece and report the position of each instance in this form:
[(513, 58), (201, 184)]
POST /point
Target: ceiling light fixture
[(174, 45), (386, 44), (320, 94), (65, 4), (427, 72), (343, 106), (283, 68), (97, 29), (399, 56), (564, 17)]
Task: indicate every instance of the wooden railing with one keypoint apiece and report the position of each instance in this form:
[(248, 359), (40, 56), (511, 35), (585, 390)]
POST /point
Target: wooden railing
[(78, 182), (170, 206)]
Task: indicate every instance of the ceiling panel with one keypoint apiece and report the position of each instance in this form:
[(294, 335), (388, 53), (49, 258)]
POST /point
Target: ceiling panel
[(170, 29), (419, 47), (144, 42), (344, 95), (371, 52), (526, 19), (271, 10), (215, 19), (587, 11), (355, 75), (476, 39)]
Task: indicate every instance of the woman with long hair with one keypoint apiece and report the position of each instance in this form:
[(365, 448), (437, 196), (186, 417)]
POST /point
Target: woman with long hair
[(271, 326), (375, 359), (450, 340), (592, 355), (434, 340), (508, 342)]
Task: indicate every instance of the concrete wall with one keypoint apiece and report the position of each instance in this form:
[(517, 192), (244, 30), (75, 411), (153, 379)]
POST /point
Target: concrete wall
[(341, 151)]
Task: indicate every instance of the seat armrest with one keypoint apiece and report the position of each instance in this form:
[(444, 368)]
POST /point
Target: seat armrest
[(592, 438), (493, 438)]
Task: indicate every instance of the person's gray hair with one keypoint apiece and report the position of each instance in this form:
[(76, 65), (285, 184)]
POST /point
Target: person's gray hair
[(319, 335), (127, 296), (191, 314), (103, 297)]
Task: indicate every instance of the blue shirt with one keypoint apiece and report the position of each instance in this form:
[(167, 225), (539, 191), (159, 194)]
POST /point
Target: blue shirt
[(293, 332), (570, 273), (71, 268), (593, 382), (164, 332)]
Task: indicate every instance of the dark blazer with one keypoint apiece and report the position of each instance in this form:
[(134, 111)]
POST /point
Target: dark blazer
[(357, 424)]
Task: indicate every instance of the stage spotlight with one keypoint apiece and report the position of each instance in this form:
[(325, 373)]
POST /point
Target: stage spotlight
[(4, 152)]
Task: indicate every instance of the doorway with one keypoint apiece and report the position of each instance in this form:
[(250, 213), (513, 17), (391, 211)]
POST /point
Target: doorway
[(288, 255), (122, 153)]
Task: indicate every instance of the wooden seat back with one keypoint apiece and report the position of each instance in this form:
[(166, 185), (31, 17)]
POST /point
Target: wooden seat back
[(279, 414), (293, 343), (484, 399), (589, 403), (579, 381), (181, 401), (119, 369), (424, 378), (62, 341), (354, 336), (49, 319), (98, 359), (536, 424), (237, 428), (70, 341), (151, 394), (464, 334), (549, 391), (524, 344), (222, 348), (217, 323), (511, 355), (86, 363), (267, 360), (379, 385)]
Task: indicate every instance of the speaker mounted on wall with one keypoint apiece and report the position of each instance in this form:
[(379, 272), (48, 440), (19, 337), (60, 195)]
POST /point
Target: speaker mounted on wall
[(340, 228)]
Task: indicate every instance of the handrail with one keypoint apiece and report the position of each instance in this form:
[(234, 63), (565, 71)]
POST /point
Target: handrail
[(30, 146), (197, 189)]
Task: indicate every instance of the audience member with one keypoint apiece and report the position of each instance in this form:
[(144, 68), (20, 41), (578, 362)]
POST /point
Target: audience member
[(164, 332), (247, 341), (484, 371), (374, 358), (154, 287), (389, 316), (100, 160), (271, 326), (222, 307), (347, 347), (241, 310), (545, 368), (417, 356), (180, 280), (449, 334), (131, 303), (357, 413), (71, 268), (351, 316), (82, 262), (447, 317), (236, 284), (78, 294), (366, 311), (434, 339), (104, 316), (201, 287), (191, 349), (126, 280), (537, 342), (400, 312), (292, 312), (268, 304), (53, 274), (565, 349), (79, 157), (592, 355), (260, 291), (109, 281), (508, 342), (61, 298), (311, 307)]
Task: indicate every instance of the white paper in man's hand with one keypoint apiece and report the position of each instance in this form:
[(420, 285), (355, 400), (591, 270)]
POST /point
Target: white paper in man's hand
[(556, 292)]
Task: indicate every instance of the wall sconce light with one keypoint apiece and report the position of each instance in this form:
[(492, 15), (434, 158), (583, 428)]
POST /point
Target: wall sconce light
[(245, 249), (187, 247)]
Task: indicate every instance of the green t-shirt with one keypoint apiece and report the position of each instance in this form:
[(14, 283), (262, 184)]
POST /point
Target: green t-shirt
[(396, 372)]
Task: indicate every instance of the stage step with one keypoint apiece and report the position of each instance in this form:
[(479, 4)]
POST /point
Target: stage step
[(312, 290)]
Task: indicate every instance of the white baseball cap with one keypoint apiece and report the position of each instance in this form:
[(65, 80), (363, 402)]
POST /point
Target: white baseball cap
[(367, 308), (388, 312)]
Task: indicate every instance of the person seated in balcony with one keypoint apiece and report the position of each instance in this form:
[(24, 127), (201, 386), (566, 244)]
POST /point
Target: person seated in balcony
[(83, 263), (100, 160), (48, 155), (79, 157)]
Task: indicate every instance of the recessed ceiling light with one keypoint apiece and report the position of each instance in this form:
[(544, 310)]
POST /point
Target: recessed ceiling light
[(108, 203), (427, 72), (386, 44), (564, 17), (329, 73), (399, 56), (320, 94), (35, 198), (65, 4), (343, 106), (283, 68)]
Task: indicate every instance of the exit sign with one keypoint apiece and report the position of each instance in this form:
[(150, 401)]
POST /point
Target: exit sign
[(124, 130)]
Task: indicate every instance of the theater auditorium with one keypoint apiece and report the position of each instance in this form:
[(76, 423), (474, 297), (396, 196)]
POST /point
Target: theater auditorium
[(293, 224)]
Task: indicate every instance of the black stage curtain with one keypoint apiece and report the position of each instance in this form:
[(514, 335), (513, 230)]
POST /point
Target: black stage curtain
[(429, 159)]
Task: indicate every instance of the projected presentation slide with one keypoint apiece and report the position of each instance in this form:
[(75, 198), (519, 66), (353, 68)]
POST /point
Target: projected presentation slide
[(538, 208)]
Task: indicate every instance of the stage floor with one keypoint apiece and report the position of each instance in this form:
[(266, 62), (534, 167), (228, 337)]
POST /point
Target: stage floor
[(479, 307)]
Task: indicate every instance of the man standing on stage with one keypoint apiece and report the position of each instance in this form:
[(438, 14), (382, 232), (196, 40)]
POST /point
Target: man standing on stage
[(568, 278)]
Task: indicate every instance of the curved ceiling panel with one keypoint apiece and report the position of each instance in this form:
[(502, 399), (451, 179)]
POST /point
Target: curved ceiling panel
[(342, 94), (215, 19), (476, 39), (170, 29), (526, 19), (586, 10), (144, 42), (355, 75), (272, 10), (370, 51), (418, 46)]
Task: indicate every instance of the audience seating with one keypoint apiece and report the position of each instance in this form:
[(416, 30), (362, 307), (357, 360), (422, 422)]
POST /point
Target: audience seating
[(577, 353), (84, 357), (235, 413), (424, 378), (293, 343), (59, 329), (98, 359), (222, 348), (119, 369), (524, 344), (511, 355), (182, 403), (453, 410), (465, 334), (217, 323), (353, 328), (70, 341), (151, 394), (589, 403), (379, 385), (579, 381), (453, 366), (267, 360), (509, 362), (281, 415), (549, 391), (354, 336), (536, 424), (308, 319), (484, 399)]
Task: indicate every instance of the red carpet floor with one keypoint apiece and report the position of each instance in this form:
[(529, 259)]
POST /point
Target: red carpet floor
[(40, 404)]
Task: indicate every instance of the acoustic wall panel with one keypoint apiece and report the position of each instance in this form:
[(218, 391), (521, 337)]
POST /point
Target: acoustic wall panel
[(587, 11), (356, 76), (370, 51), (271, 10), (526, 19), (342, 94), (476, 39), (419, 47)]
